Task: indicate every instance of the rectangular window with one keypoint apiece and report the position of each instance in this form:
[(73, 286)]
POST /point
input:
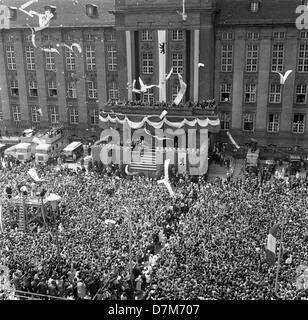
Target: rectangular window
[(177, 35), (89, 37), (303, 35), (252, 58), (225, 120), (113, 91), (278, 34), (177, 62), (298, 123), (50, 61), (14, 88), (226, 57), (147, 63), (248, 121), (90, 58), (301, 93), (52, 88), (11, 59), (277, 57), (30, 59), (225, 92), (302, 64), (54, 115), (112, 57), (111, 36), (72, 89), (147, 35), (74, 116), (252, 35), (16, 113), (227, 36), (273, 122), (250, 93), (254, 6), (148, 96), (33, 89), (275, 93), (35, 115), (94, 116), (70, 59), (92, 90)]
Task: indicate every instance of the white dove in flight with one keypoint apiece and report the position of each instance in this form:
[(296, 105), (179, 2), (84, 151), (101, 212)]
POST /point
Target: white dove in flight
[(144, 88), (134, 89), (50, 50), (284, 77), (182, 90), (183, 13), (166, 181)]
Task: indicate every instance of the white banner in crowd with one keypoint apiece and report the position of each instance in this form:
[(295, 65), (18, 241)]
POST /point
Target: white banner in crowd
[(33, 174)]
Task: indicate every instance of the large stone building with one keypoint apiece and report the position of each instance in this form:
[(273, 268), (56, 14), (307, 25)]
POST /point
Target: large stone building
[(68, 87), (242, 43)]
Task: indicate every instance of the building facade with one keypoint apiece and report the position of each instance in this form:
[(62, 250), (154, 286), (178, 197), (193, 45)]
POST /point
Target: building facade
[(242, 44)]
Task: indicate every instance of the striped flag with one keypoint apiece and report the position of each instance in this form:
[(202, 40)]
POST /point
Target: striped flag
[(271, 245)]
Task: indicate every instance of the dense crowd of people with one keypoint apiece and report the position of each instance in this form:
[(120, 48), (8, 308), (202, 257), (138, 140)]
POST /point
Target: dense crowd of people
[(209, 104), (207, 242)]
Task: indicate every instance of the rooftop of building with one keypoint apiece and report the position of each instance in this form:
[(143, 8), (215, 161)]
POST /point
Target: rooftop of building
[(269, 11), (69, 13)]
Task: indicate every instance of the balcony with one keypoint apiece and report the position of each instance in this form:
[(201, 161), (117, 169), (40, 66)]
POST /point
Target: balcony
[(176, 113)]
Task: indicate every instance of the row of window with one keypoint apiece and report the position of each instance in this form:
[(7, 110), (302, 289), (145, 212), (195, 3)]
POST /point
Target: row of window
[(70, 59), (252, 52), (176, 35), (73, 115), (250, 93), (248, 125), (71, 89), (177, 63)]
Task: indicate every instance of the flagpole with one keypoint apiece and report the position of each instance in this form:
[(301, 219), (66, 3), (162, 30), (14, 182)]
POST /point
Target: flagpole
[(279, 257)]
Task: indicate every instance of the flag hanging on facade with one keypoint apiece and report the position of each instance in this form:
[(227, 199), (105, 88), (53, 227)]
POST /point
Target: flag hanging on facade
[(271, 245)]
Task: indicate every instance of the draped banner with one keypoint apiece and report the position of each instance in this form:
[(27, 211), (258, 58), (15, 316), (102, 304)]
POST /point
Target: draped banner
[(157, 125), (196, 67), (129, 63), (162, 64)]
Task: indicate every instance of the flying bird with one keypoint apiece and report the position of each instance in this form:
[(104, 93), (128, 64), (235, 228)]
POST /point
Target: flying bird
[(200, 64), (39, 111), (183, 13), (284, 77), (181, 92), (25, 5), (50, 50), (32, 36), (144, 88), (168, 75), (71, 48), (166, 181)]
